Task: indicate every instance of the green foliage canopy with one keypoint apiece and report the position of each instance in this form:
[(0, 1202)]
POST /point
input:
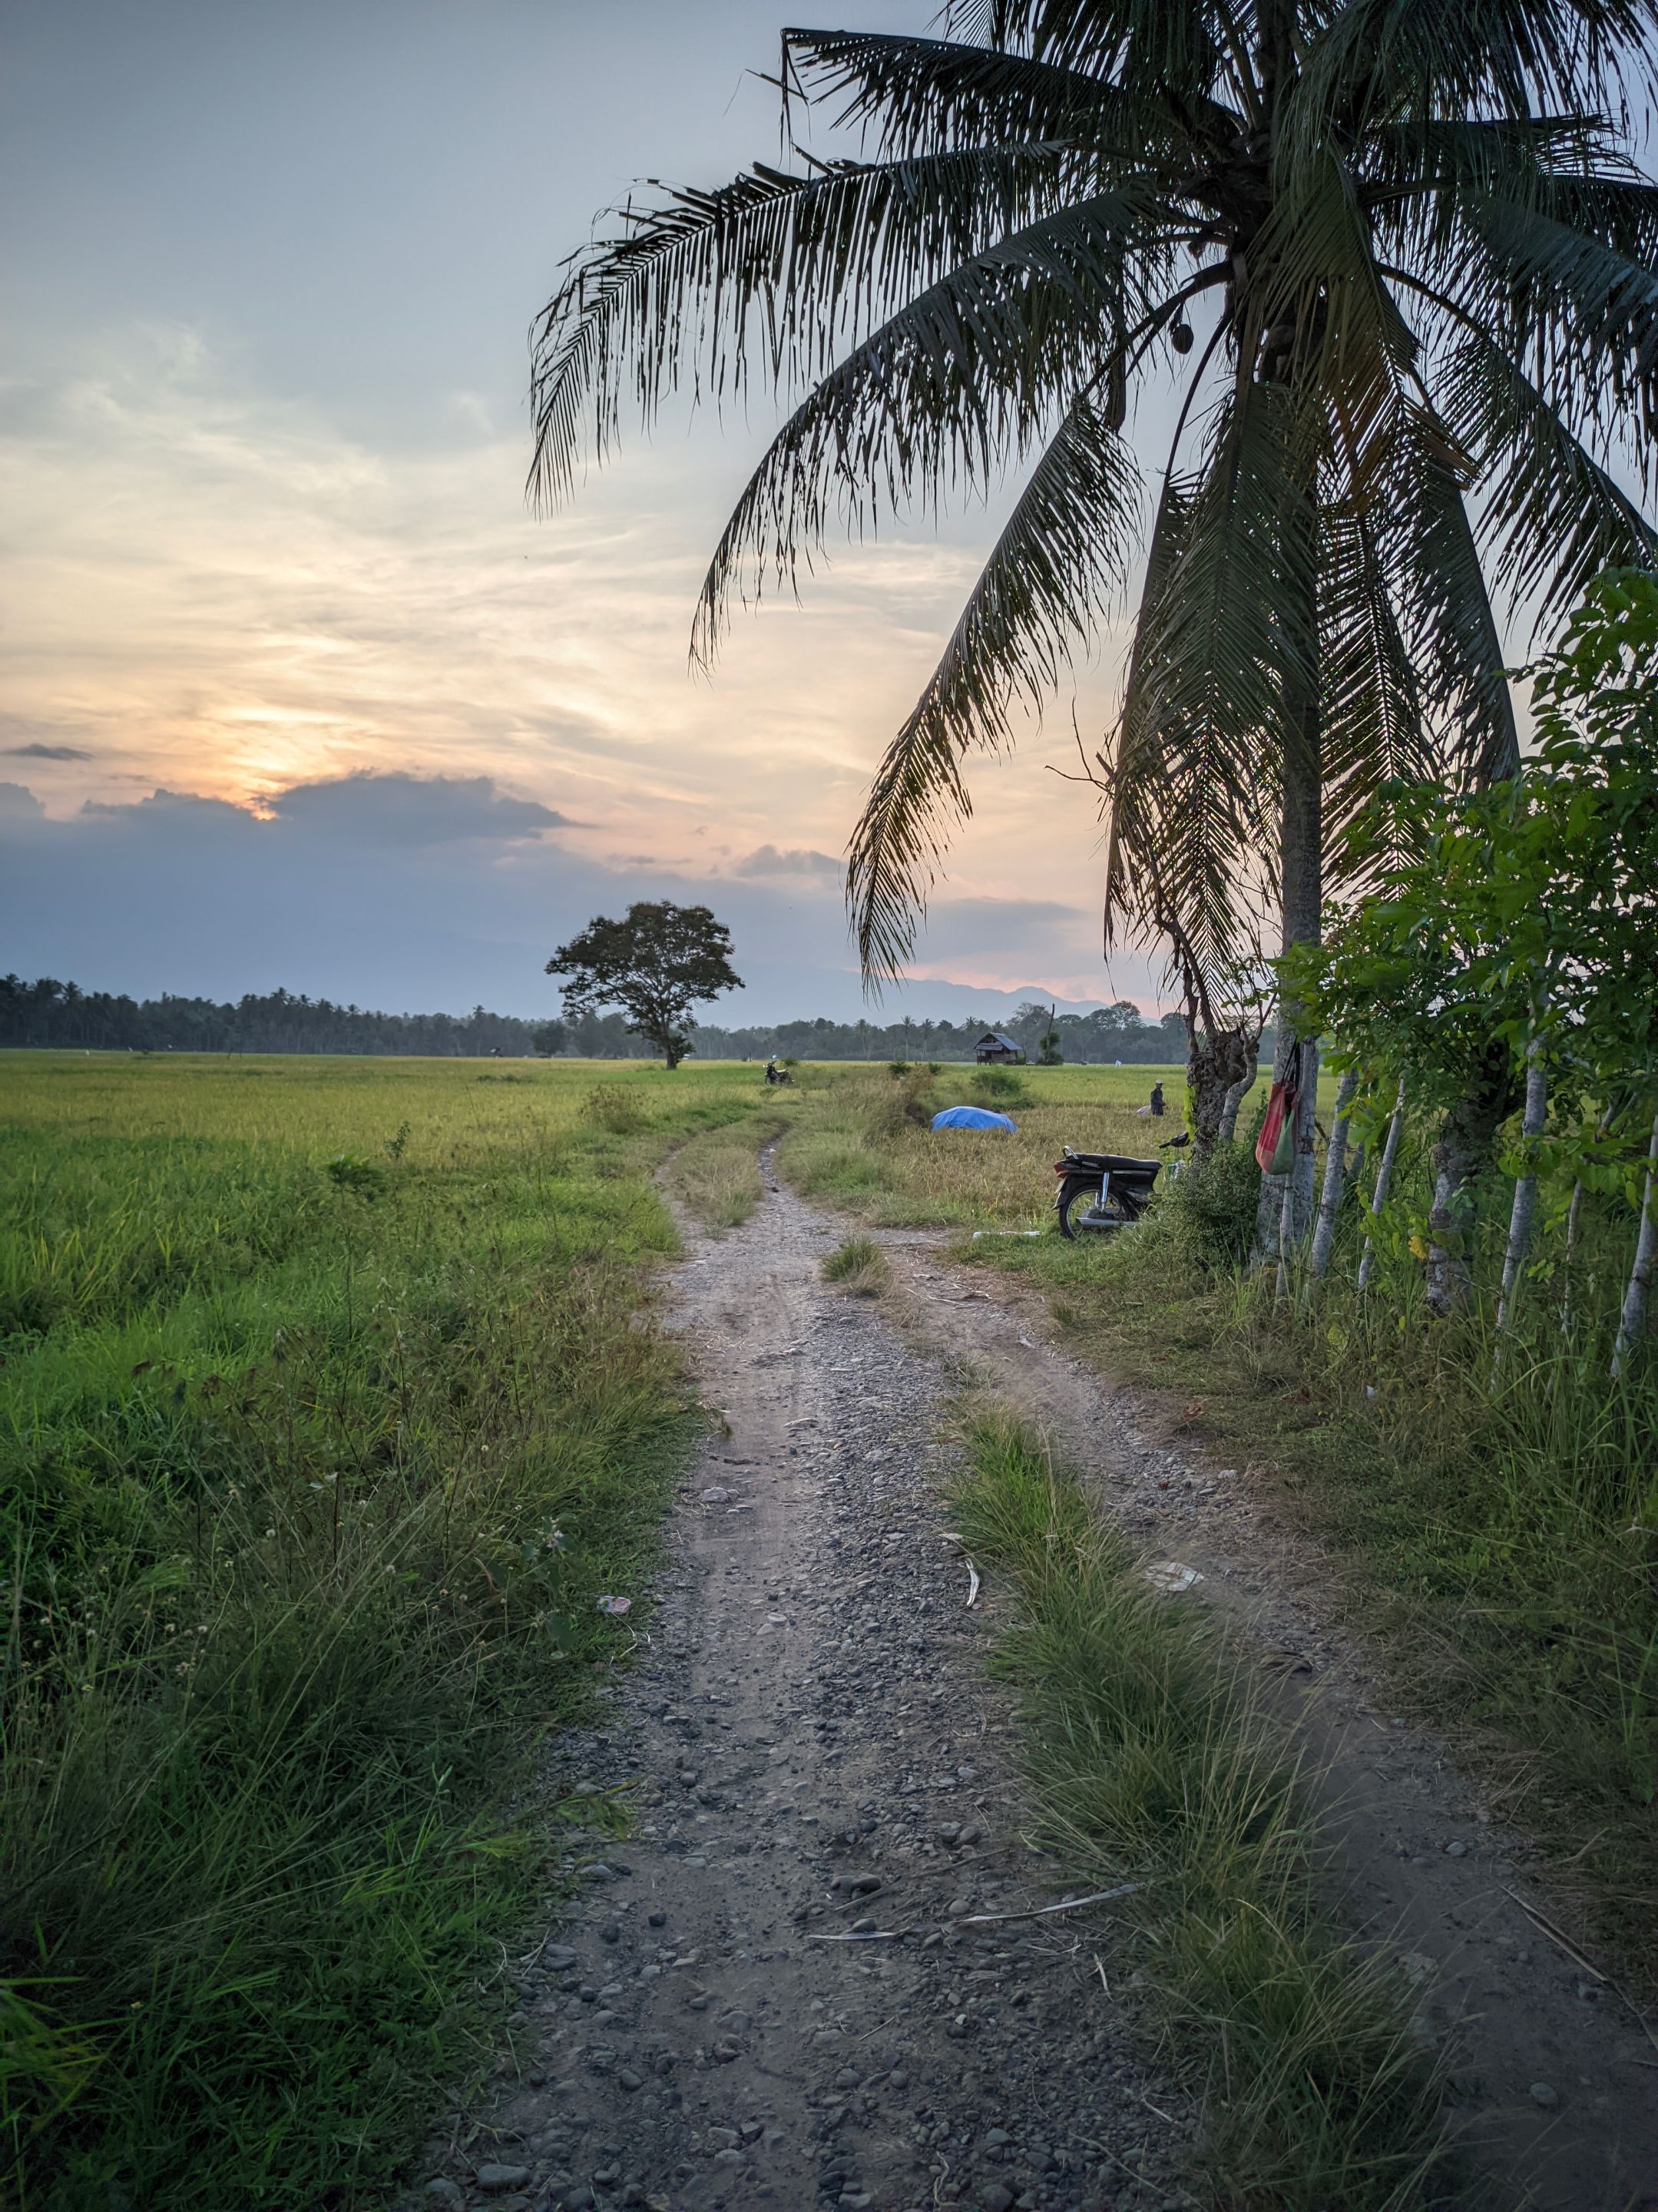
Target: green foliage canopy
[(655, 964), (1527, 911)]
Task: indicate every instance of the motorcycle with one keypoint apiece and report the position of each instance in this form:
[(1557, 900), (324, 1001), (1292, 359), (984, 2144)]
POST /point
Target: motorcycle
[(1102, 1191)]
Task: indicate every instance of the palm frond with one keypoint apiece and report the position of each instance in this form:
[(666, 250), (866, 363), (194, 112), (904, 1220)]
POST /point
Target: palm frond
[(1370, 58), (1220, 647), (780, 265), (962, 382), (1551, 518), (912, 95), (1444, 608), (1583, 312), (1055, 569), (1374, 724)]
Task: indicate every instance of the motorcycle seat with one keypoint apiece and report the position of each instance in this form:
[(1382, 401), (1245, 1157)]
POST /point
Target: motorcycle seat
[(1110, 1164)]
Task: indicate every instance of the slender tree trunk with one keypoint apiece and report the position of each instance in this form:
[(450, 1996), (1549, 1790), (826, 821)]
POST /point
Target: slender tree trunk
[(1525, 1189), (1384, 1176), (1216, 1061), (1633, 1317), (1467, 1137), (1324, 1236), (1235, 1099)]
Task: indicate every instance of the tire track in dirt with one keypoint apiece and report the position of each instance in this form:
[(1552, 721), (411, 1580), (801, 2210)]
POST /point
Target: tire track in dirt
[(1554, 2078), (813, 1750)]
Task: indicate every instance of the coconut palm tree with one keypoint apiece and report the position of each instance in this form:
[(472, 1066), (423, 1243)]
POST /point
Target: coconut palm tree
[(1394, 266)]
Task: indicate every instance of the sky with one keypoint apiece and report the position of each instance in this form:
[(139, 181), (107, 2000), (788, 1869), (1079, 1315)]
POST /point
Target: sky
[(293, 687)]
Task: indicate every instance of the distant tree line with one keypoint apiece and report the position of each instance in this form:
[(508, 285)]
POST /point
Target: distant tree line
[(48, 1013), (1102, 1037)]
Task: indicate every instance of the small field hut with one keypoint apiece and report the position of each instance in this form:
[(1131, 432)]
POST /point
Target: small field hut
[(994, 1049)]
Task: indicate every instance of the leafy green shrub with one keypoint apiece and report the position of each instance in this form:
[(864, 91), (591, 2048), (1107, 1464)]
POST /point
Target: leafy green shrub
[(615, 1107), (1210, 1208), (350, 1171), (1000, 1086), (906, 1105)]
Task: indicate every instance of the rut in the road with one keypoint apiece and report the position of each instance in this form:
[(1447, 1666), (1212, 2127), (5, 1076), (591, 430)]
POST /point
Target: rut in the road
[(816, 1752)]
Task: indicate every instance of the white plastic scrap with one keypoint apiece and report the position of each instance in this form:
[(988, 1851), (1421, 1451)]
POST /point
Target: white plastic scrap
[(1170, 1574)]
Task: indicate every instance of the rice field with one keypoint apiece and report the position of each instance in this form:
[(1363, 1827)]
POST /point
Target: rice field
[(330, 1410)]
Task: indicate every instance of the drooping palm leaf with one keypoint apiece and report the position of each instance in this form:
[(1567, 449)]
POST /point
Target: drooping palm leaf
[(959, 384), (698, 284), (1374, 725), (1059, 564), (1550, 517)]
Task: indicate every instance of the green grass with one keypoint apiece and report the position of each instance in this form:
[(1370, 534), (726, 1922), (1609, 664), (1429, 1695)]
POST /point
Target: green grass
[(327, 1419), (715, 1173), (859, 1267), (1156, 1762), (862, 1139)]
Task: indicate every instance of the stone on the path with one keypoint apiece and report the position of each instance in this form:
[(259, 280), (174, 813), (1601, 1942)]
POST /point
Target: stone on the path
[(493, 2180)]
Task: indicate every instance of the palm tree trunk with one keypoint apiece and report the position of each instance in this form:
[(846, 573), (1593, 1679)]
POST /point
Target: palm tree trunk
[(1384, 1176), (1286, 1201), (1634, 1315), (1335, 1177)]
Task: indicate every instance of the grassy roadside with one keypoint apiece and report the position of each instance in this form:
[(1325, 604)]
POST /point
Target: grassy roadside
[(1155, 1763), (1495, 1527), (327, 1424), (715, 1173)]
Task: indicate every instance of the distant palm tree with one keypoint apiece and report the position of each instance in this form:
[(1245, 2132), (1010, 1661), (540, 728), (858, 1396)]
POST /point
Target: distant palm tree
[(1421, 270)]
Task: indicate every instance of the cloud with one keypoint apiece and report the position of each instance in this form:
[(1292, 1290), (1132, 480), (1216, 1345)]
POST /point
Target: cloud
[(47, 753), (19, 804), (373, 808), (793, 860), (959, 927)]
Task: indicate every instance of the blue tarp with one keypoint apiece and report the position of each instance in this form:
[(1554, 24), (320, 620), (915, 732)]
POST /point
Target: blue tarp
[(971, 1117)]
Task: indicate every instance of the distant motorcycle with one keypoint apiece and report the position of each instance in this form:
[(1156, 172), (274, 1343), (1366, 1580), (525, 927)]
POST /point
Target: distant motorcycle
[(775, 1074), (1102, 1191)]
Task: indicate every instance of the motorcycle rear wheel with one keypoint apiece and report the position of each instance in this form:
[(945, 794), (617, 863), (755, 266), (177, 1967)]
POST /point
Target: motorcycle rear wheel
[(1080, 1199)]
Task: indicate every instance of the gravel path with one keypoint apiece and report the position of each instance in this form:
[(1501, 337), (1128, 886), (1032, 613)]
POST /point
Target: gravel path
[(814, 1752), (811, 1749)]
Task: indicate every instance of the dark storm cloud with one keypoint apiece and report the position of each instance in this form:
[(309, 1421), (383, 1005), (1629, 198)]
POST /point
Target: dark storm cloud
[(47, 753), (373, 808)]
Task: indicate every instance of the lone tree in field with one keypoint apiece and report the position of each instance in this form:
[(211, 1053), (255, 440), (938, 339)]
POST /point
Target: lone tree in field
[(1394, 266), (655, 964)]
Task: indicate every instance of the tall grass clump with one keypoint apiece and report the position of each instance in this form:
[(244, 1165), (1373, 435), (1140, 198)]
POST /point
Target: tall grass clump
[(309, 1483), (859, 1267), (1157, 1763)]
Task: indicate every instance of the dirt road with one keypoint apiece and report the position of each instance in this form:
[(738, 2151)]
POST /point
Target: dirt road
[(816, 1755), (784, 1987)]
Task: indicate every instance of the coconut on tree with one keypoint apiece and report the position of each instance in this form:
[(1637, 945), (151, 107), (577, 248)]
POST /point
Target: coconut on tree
[(1394, 262)]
